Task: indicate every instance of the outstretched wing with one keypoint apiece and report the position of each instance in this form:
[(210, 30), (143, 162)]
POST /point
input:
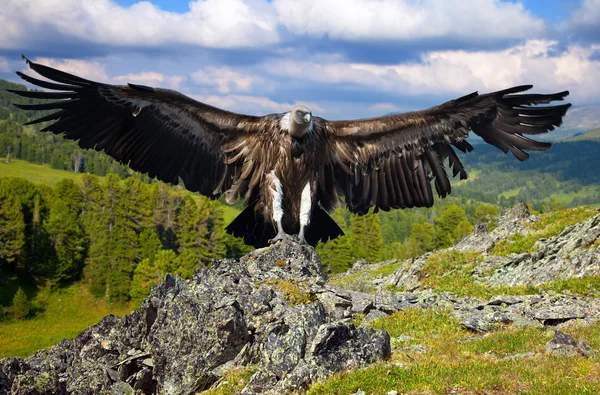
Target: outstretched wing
[(388, 162), (156, 131)]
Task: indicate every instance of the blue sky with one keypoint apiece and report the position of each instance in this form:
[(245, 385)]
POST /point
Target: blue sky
[(356, 58)]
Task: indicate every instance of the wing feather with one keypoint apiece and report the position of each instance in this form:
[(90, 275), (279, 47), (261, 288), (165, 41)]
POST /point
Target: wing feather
[(156, 131), (398, 155)]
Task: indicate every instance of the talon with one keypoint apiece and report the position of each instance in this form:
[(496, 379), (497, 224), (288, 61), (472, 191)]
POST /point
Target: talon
[(281, 236)]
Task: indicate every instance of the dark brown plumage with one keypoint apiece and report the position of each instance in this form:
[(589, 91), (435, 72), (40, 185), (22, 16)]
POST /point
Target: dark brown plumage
[(289, 168)]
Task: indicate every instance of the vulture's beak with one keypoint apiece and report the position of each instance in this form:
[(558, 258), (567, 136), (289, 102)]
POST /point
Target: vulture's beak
[(307, 117)]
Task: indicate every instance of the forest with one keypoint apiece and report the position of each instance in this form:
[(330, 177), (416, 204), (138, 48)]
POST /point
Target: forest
[(120, 232)]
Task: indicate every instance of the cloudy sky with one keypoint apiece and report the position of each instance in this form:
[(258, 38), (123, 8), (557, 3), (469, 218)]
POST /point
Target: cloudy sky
[(344, 59)]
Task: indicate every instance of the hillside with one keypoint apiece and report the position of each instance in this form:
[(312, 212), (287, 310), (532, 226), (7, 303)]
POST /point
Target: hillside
[(592, 135), (514, 309)]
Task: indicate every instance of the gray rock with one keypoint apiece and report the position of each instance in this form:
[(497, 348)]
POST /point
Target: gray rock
[(505, 300), (508, 223), (482, 321), (373, 315), (187, 333), (390, 302), (563, 344), (560, 257), (558, 314)]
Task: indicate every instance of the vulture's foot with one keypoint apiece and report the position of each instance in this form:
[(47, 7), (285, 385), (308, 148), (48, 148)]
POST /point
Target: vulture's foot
[(301, 240), (281, 236)]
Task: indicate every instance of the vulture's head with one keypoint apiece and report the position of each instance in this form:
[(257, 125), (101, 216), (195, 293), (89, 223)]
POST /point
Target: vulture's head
[(300, 121)]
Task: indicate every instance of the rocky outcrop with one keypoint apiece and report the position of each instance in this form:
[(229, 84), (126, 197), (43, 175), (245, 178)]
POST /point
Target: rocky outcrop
[(574, 253), (510, 222), (271, 310), (274, 310), (571, 254), (543, 310)]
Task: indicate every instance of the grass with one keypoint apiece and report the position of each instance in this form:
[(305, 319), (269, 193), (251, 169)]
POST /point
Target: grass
[(450, 271), (234, 381), (38, 174), (229, 213), (551, 224), (44, 174), (359, 281), (293, 292), (66, 312), (468, 367)]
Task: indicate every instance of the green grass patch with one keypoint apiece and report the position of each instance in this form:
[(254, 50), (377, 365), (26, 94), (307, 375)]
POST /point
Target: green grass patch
[(592, 135), (293, 292), (548, 225), (233, 382), (450, 271), (559, 220), (360, 281), (38, 174), (581, 285), (229, 213), (426, 326), (66, 312), (468, 367), (541, 375)]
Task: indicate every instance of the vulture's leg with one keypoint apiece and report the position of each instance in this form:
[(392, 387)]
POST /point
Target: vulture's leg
[(278, 211), (281, 235), (305, 208)]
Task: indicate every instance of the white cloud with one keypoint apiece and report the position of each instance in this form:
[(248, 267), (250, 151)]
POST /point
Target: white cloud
[(4, 67), (583, 118), (151, 78), (256, 105), (226, 79), (460, 72), (408, 19), (91, 70), (209, 23), (585, 17), (384, 108)]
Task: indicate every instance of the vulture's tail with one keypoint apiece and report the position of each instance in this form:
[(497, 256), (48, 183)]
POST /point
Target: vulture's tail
[(256, 232), (322, 227), (252, 228)]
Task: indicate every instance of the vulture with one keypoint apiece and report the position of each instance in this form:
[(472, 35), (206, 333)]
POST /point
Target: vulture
[(293, 168)]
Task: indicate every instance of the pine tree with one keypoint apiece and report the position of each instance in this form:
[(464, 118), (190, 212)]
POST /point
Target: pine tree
[(12, 229), (186, 264), (93, 218), (463, 228), (166, 207), (336, 255), (113, 253), (446, 224), (20, 305), (66, 233), (366, 237), (483, 212), (149, 244), (150, 272), (423, 238)]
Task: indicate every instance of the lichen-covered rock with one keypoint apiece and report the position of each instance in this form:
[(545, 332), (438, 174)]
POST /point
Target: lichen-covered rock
[(271, 309), (509, 222), (528, 310), (567, 255), (564, 344)]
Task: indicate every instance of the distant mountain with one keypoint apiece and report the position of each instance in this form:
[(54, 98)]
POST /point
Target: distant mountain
[(592, 135)]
